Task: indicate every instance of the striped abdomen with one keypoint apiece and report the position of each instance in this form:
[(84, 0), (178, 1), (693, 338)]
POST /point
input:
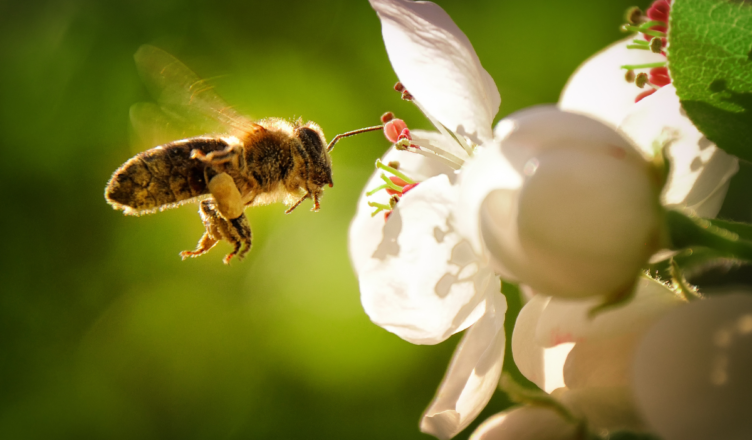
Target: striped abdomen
[(162, 177)]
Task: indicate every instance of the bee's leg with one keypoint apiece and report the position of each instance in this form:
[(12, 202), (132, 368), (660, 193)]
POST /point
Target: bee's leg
[(236, 231)]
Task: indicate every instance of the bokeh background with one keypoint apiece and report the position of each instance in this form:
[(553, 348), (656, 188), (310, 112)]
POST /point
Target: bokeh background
[(106, 333)]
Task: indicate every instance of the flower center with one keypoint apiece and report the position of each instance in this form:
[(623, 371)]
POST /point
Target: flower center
[(653, 25), (395, 185)]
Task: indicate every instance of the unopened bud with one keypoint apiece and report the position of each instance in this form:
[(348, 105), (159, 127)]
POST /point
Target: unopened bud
[(633, 15), (386, 117), (656, 45), (641, 79), (629, 76)]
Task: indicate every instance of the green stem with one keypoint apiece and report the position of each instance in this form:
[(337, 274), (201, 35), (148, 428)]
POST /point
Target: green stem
[(687, 232), (641, 42), (380, 164)]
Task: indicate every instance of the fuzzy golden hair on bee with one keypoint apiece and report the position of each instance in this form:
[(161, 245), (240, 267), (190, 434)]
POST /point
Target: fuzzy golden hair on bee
[(248, 163)]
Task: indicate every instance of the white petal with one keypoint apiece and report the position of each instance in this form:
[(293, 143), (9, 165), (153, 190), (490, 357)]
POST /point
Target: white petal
[(568, 320), (424, 282), (601, 363), (472, 376), (366, 232), (605, 408), (598, 88), (438, 140), (488, 170), (542, 366), (527, 423), (700, 172), (692, 371), (437, 64)]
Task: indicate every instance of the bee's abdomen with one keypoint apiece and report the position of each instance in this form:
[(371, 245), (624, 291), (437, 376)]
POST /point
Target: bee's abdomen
[(162, 177)]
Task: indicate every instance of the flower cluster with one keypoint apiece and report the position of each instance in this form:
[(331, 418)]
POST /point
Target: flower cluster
[(569, 202)]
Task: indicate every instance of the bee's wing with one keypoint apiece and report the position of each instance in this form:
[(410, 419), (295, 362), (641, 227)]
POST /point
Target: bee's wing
[(156, 125), (184, 99)]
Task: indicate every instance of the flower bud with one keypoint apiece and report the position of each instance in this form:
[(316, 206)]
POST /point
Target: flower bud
[(691, 374), (580, 217)]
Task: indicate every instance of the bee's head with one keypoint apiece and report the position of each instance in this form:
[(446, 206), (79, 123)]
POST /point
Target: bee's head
[(314, 143)]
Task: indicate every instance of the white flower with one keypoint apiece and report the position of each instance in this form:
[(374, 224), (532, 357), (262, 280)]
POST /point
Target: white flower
[(420, 278), (691, 374), (585, 362), (699, 171), (598, 89)]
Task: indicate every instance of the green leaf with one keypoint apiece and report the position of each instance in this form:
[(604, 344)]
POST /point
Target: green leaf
[(689, 232), (743, 230), (710, 59)]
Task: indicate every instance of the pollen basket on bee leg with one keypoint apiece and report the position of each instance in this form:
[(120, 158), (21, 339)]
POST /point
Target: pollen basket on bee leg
[(225, 192)]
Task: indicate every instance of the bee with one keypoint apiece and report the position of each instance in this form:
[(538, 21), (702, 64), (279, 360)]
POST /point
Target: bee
[(249, 163)]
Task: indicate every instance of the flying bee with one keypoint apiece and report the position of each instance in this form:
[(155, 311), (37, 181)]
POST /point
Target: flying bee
[(247, 164)]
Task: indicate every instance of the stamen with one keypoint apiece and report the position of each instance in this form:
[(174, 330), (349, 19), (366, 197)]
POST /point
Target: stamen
[(393, 128), (390, 184), (629, 76), (634, 15), (375, 190), (399, 87), (644, 94), (643, 66), (656, 45), (381, 206), (641, 80), (659, 76), (432, 154), (646, 31), (638, 46), (386, 117), (387, 168), (641, 42), (447, 155)]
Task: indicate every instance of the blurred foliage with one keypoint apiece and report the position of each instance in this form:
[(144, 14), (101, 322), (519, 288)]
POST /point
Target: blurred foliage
[(106, 333)]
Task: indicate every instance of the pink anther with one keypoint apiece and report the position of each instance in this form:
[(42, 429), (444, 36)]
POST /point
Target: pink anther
[(644, 94), (659, 76), (393, 129), (405, 134)]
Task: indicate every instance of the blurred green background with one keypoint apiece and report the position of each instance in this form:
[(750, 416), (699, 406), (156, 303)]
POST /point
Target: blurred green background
[(106, 333)]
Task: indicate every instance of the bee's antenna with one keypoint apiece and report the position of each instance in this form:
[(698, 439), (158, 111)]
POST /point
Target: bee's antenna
[(351, 133)]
